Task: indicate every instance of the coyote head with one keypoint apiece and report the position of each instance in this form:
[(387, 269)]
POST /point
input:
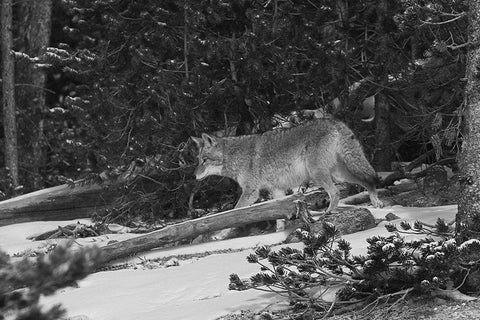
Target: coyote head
[(210, 156)]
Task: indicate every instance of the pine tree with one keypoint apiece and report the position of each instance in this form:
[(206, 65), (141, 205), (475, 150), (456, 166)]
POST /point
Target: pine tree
[(8, 96), (34, 29), (468, 217), (391, 269), (23, 282)]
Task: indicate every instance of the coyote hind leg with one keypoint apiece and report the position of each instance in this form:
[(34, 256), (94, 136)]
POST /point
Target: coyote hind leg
[(367, 181), (373, 194)]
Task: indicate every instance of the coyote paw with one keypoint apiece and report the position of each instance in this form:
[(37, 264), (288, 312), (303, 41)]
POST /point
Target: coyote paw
[(222, 234), (377, 203)]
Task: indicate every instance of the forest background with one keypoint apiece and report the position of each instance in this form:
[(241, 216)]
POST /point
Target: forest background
[(99, 84)]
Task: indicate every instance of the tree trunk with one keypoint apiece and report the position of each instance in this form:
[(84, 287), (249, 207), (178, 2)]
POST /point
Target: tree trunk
[(35, 29), (468, 216), (185, 41), (382, 157), (381, 160), (8, 94)]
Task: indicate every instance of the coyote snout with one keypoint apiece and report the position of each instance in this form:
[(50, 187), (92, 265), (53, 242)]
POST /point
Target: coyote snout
[(322, 151), (211, 164)]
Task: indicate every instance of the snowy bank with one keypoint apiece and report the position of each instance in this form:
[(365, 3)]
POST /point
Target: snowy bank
[(197, 289)]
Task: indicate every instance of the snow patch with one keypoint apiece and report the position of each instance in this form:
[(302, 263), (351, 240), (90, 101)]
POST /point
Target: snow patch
[(197, 290)]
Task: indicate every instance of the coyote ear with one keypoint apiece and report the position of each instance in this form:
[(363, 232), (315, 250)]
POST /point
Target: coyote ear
[(198, 142), (209, 140)]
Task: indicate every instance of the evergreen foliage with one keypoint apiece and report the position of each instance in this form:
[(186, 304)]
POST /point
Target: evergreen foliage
[(23, 282), (131, 80), (393, 266)]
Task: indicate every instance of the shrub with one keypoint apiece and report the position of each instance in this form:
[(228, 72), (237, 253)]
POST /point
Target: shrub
[(23, 282), (392, 268)]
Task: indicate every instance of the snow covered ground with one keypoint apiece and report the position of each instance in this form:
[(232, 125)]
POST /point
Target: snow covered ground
[(197, 289)]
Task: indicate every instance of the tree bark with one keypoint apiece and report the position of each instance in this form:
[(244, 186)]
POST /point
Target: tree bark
[(185, 41), (283, 208), (35, 29), (8, 94), (468, 216), (363, 197), (62, 202), (382, 156)]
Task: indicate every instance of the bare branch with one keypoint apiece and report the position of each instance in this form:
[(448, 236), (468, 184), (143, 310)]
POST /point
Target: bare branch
[(457, 17)]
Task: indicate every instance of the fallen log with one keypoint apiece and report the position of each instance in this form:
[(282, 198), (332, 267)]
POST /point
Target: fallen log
[(73, 200), (403, 187), (362, 197), (64, 202), (283, 208)]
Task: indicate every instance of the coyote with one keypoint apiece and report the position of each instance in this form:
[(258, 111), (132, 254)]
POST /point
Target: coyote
[(320, 151)]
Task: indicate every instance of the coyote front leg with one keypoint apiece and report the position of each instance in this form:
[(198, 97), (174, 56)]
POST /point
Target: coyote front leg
[(248, 197), (326, 182)]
